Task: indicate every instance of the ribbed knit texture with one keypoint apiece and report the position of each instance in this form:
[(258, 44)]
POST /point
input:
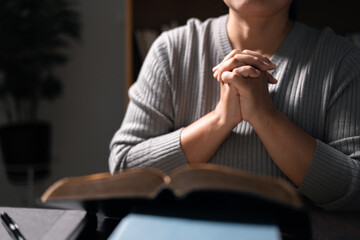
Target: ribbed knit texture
[(318, 89)]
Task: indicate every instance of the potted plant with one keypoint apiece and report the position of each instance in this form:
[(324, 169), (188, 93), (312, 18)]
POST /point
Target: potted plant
[(33, 38)]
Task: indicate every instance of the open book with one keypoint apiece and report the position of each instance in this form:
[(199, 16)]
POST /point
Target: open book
[(201, 191), (148, 183)]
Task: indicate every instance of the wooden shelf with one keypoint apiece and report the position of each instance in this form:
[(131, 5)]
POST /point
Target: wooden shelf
[(144, 14)]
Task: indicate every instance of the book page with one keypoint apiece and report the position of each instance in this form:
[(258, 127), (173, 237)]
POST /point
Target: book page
[(138, 182), (213, 177)]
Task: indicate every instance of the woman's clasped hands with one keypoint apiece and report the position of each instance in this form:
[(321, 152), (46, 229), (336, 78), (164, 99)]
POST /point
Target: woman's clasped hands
[(244, 78)]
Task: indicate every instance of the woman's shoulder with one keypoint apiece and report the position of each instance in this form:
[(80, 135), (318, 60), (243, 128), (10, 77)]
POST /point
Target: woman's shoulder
[(343, 51), (195, 30), (196, 25), (326, 40), (191, 39), (336, 55)]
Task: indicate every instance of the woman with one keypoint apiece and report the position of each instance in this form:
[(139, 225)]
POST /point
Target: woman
[(304, 126)]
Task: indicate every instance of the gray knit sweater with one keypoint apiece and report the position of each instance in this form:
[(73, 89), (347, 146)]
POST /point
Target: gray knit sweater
[(318, 89)]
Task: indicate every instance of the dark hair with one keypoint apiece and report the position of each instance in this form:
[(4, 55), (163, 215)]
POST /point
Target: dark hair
[(292, 10)]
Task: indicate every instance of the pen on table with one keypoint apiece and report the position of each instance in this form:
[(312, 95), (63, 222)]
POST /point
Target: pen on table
[(11, 227)]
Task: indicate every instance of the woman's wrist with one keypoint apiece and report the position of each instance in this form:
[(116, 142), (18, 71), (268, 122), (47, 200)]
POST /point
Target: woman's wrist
[(223, 121), (265, 119), (210, 131)]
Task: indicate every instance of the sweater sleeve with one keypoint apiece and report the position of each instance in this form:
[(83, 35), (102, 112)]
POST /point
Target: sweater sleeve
[(147, 137), (333, 178)]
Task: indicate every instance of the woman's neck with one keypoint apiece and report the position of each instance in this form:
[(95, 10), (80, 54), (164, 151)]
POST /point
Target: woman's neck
[(261, 34)]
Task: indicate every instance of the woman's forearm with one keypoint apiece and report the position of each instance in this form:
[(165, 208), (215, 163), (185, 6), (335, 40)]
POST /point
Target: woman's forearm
[(290, 147), (200, 140)]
